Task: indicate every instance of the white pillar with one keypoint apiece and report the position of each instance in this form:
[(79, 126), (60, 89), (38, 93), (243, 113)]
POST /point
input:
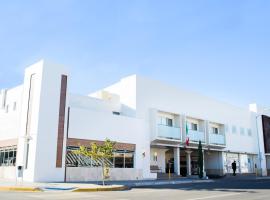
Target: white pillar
[(221, 161), (239, 161), (204, 173), (188, 162), (176, 153)]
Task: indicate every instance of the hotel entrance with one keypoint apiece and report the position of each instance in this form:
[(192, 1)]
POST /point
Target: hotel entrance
[(173, 160), (188, 162)]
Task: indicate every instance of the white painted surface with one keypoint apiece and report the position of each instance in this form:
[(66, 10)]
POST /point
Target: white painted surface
[(10, 121), (8, 173), (139, 101), (93, 125), (161, 160)]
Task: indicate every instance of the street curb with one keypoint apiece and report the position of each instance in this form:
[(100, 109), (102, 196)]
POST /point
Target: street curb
[(100, 189), (21, 189), (170, 183)]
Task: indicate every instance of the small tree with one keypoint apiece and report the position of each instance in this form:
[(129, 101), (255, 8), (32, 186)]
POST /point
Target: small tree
[(98, 152), (200, 160)]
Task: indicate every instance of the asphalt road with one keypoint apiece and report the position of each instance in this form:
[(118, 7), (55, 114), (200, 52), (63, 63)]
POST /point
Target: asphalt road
[(218, 190)]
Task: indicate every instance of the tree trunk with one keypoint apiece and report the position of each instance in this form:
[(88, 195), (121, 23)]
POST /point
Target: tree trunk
[(103, 172)]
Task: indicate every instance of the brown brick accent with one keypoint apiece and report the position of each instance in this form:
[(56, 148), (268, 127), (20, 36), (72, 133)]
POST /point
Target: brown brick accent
[(266, 133), (61, 121), (81, 142), (10, 142)]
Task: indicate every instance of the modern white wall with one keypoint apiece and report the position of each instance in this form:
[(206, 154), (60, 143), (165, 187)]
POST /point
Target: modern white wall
[(10, 121), (161, 159), (43, 127), (153, 94), (92, 103), (126, 89), (8, 173), (93, 125)]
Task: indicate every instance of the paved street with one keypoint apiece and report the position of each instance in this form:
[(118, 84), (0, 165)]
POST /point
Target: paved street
[(220, 190)]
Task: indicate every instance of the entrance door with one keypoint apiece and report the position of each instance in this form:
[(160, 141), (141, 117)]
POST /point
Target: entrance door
[(170, 166), (169, 157)]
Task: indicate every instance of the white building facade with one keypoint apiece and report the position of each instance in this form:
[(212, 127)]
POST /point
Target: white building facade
[(41, 123)]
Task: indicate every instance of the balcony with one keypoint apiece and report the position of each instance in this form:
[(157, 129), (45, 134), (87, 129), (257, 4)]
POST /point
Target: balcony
[(169, 132), (216, 139), (196, 136)]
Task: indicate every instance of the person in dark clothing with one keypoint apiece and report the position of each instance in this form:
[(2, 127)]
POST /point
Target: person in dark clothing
[(234, 167)]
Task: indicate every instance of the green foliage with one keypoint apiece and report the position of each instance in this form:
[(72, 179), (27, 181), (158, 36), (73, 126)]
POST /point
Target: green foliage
[(98, 152), (200, 160)]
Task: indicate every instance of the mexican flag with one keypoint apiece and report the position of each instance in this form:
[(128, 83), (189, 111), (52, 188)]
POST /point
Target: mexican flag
[(187, 137)]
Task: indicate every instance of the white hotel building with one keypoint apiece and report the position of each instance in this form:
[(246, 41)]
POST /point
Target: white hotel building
[(41, 123)]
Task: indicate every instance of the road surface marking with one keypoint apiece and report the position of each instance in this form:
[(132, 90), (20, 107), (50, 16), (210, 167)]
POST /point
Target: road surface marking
[(214, 196)]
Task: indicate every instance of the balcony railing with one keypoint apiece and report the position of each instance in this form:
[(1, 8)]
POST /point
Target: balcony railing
[(169, 132), (196, 136), (216, 139)]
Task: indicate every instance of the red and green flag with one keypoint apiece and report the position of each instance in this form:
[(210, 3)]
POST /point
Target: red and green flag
[(187, 137)]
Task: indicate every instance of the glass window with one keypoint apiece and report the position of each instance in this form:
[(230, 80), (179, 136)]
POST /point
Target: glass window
[(169, 122), (119, 160), (1, 157), (129, 158), (14, 157), (8, 156), (215, 130), (116, 113), (162, 120), (194, 126)]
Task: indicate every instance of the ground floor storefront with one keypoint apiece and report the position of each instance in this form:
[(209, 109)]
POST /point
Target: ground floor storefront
[(184, 161), (130, 163)]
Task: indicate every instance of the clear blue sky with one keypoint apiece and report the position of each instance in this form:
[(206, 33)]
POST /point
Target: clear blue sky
[(220, 48)]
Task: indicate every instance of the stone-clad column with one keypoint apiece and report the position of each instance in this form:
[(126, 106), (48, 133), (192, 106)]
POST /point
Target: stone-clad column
[(204, 173), (176, 153), (188, 154)]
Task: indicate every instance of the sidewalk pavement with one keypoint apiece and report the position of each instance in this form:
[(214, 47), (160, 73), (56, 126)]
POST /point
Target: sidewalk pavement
[(90, 186)]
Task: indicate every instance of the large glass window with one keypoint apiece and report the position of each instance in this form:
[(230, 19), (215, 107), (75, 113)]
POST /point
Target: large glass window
[(129, 158), (165, 121), (8, 156), (121, 159)]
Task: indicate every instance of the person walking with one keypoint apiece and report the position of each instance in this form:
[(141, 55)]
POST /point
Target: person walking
[(234, 167)]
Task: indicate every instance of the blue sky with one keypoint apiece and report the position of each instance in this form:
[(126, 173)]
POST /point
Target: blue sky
[(218, 48)]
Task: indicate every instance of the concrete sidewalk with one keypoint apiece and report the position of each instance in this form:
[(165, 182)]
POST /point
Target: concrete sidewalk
[(90, 186), (139, 183), (71, 187)]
